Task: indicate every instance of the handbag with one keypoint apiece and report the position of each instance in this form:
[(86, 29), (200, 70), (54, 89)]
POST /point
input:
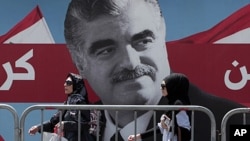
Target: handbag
[(52, 137)]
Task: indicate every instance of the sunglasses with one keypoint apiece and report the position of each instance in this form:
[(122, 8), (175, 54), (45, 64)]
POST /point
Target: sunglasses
[(69, 83), (163, 86)]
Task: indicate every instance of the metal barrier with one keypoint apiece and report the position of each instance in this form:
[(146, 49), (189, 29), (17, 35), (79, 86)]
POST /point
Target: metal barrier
[(230, 113), (117, 108), (16, 119)]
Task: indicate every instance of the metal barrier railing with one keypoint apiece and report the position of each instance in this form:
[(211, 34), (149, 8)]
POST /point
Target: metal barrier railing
[(134, 108), (16, 120), (229, 114)]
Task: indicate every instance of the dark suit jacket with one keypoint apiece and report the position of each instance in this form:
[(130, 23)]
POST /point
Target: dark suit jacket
[(202, 125), (218, 106)]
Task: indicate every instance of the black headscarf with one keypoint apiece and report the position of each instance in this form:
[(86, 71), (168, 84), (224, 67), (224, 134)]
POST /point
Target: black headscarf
[(177, 85), (78, 85)]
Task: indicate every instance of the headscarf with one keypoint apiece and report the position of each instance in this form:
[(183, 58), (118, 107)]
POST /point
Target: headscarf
[(78, 85), (177, 85)]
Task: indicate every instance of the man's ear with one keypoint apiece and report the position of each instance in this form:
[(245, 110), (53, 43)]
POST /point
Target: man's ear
[(80, 71), (83, 76), (163, 27)]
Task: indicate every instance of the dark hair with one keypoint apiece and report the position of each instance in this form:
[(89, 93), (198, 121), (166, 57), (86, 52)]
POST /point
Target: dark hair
[(177, 85), (80, 13)]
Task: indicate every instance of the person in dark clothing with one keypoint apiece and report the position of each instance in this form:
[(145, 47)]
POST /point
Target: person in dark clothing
[(175, 89), (76, 94)]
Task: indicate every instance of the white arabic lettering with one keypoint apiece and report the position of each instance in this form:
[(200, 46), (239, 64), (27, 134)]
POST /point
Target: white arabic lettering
[(237, 85), (20, 63)]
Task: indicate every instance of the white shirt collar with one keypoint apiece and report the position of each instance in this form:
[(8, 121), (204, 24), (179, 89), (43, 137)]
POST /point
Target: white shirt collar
[(142, 123)]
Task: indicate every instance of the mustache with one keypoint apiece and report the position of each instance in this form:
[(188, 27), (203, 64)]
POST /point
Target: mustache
[(139, 71)]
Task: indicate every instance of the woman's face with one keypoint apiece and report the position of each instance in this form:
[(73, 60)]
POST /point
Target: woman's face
[(164, 89), (68, 86)]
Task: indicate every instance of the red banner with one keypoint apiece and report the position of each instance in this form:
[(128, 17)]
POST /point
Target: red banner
[(220, 69), (36, 73)]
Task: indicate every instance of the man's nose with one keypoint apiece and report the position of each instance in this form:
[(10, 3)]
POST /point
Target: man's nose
[(130, 58)]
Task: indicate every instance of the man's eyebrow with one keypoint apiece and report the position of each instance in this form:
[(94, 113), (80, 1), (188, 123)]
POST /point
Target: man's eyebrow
[(100, 44), (143, 34)]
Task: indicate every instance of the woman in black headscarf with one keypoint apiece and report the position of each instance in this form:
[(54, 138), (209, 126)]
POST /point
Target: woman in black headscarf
[(76, 94), (175, 89)]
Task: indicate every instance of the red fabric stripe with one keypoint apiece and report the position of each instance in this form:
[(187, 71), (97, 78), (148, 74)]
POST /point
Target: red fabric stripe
[(237, 21), (1, 138), (34, 16)]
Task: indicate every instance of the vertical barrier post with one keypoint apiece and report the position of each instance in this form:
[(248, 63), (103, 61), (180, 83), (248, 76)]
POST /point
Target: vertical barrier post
[(228, 115), (16, 120)]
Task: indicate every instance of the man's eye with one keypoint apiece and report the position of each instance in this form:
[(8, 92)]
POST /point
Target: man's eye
[(143, 43), (104, 51)]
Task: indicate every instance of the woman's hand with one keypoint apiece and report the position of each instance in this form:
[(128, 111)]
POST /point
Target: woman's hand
[(60, 125), (33, 130), (165, 121), (132, 137)]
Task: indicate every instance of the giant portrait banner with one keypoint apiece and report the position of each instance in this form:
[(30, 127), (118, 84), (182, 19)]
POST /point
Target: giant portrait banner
[(36, 72)]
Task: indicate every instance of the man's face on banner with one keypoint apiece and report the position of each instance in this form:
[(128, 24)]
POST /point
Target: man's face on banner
[(126, 56)]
